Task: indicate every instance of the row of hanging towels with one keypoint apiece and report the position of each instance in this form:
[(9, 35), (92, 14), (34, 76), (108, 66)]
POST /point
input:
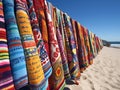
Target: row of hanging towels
[(41, 47)]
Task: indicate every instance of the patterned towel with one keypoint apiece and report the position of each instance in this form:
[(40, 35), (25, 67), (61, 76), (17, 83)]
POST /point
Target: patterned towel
[(57, 79), (87, 46), (39, 42), (17, 58), (93, 43), (58, 24), (6, 79), (81, 47), (71, 48), (34, 67), (75, 33), (39, 9)]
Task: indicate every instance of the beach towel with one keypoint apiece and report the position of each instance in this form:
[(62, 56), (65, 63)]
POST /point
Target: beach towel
[(6, 79), (83, 41), (71, 48), (91, 48), (96, 43), (33, 62), (93, 43), (81, 54), (58, 25), (40, 13), (16, 53), (87, 45), (74, 33), (39, 42), (56, 80)]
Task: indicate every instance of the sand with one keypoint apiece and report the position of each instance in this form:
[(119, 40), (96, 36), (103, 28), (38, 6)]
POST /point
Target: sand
[(103, 74)]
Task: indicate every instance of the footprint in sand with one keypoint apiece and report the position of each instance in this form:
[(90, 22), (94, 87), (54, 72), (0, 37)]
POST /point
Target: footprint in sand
[(84, 77), (89, 76), (118, 79), (94, 70), (104, 88), (91, 84), (119, 76), (113, 85)]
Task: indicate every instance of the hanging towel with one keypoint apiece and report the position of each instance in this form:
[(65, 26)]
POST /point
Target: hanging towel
[(34, 67), (16, 53), (87, 46), (40, 13), (81, 54), (74, 33), (83, 40), (71, 48), (90, 49), (6, 79), (39, 42), (58, 25), (57, 81)]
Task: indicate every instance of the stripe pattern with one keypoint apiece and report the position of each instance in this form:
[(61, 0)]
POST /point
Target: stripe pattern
[(39, 42), (59, 29), (6, 79), (71, 48), (40, 13), (17, 58), (57, 81), (34, 67)]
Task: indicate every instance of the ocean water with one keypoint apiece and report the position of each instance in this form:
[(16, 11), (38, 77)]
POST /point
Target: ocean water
[(115, 45)]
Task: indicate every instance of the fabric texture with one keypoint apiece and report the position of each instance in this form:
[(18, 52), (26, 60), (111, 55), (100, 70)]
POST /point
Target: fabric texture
[(71, 48), (81, 54), (40, 44), (16, 53), (58, 25), (87, 45), (83, 40), (33, 62), (57, 81), (6, 79), (40, 13)]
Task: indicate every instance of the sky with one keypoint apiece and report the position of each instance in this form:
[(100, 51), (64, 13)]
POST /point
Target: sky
[(102, 17)]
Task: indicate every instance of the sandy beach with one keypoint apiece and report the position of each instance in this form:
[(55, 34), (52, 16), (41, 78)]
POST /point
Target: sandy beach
[(103, 74)]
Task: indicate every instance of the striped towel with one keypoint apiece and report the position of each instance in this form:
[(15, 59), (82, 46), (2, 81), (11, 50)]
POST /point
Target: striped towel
[(58, 24), (39, 9), (71, 48), (57, 81), (6, 79), (17, 58), (39, 42), (34, 67)]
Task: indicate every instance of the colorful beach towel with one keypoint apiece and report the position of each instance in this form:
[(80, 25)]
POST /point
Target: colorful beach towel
[(16, 53), (87, 45), (40, 13), (59, 31), (71, 48), (91, 56), (74, 33), (6, 79), (84, 43), (81, 54), (39, 42), (33, 62), (56, 80), (91, 49)]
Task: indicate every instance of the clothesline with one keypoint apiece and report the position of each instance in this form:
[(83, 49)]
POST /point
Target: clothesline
[(42, 47)]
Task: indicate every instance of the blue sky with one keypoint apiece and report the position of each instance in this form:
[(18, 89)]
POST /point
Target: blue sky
[(102, 17)]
